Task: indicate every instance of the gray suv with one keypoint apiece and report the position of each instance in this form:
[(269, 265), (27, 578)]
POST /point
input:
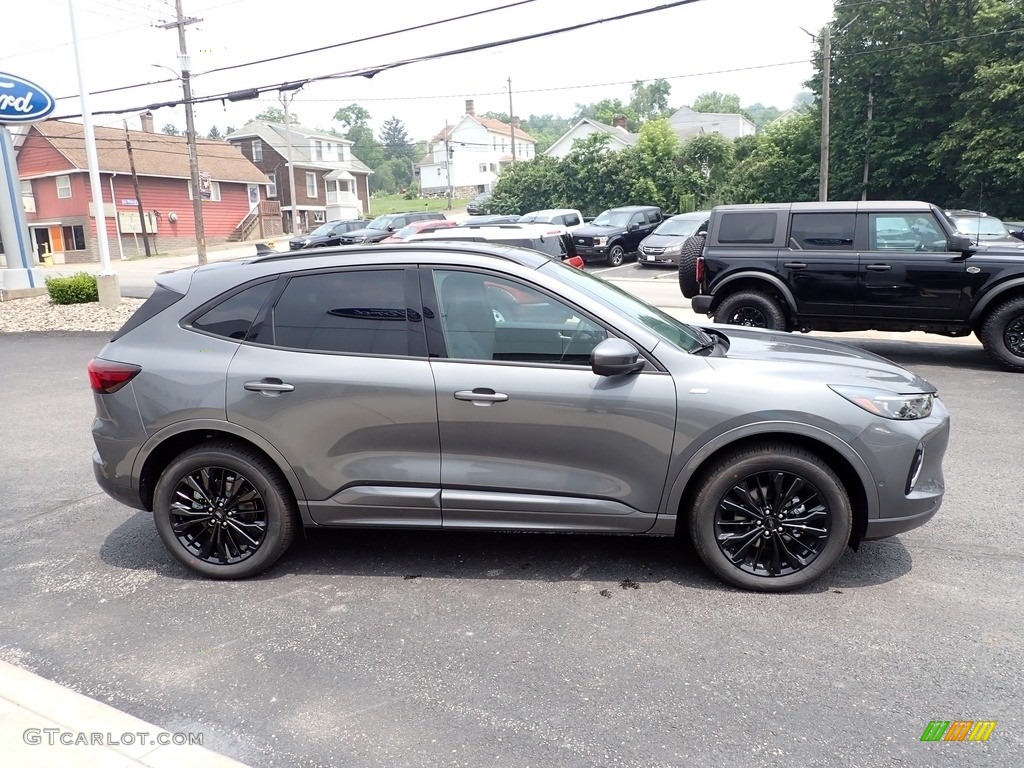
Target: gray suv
[(378, 386)]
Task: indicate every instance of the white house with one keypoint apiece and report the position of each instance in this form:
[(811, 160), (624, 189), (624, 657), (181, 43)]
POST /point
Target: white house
[(687, 124), (468, 156), (620, 138)]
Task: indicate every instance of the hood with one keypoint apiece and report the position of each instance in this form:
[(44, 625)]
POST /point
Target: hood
[(1008, 244), (592, 230), (663, 241), (823, 359)]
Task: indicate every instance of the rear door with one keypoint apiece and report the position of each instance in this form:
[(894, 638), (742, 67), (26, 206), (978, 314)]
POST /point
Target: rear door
[(907, 270), (820, 263), (530, 436)]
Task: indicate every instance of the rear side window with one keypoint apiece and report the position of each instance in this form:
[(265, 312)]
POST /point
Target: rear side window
[(822, 231), (158, 301), (570, 219), (358, 312), (233, 317), (754, 228)]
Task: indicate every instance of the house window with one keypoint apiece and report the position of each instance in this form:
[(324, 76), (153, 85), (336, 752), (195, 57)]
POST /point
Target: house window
[(272, 187), (257, 150), (319, 217), (63, 186), (310, 185), (483, 167), (28, 200), (318, 151), (214, 192), (74, 237)]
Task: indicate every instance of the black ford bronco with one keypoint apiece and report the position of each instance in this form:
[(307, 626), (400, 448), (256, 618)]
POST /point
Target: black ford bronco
[(854, 266)]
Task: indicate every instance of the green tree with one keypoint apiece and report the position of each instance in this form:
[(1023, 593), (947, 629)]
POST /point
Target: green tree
[(606, 110), (778, 165), (713, 101), (650, 101), (712, 158), (170, 129), (215, 133), (276, 115), (355, 121), (528, 186), (395, 141)]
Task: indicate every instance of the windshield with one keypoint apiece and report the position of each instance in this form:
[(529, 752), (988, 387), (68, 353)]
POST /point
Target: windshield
[(323, 229), (675, 332), (976, 226), (537, 218), (381, 222), (612, 219), (407, 230), (681, 227)]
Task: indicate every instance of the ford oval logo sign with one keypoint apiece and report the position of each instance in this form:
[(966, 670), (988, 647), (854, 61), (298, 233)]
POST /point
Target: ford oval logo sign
[(22, 101)]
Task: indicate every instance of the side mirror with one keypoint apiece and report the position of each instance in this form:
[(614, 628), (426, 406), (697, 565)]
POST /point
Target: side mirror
[(961, 243), (615, 356), (634, 227)]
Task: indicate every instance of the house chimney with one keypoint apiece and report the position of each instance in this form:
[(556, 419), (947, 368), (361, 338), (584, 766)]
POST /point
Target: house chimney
[(515, 122), (469, 108), (147, 121), (619, 122)]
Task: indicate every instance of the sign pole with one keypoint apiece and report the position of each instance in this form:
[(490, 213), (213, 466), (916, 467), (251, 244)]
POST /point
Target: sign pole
[(21, 273)]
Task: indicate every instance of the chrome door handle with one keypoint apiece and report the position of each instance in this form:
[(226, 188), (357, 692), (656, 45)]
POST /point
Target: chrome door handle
[(795, 264), (481, 396), (268, 386), (878, 267)]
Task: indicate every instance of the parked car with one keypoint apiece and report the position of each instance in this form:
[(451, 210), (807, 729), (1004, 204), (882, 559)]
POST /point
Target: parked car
[(984, 230), (376, 387), (478, 204), (616, 233), (855, 266), (569, 218), (663, 246), (489, 219), (384, 226), (418, 226), (1015, 228), (326, 234), (548, 239)]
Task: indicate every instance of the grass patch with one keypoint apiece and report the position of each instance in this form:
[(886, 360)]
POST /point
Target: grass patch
[(398, 204)]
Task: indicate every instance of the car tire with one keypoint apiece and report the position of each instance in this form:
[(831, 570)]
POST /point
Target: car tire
[(804, 533), (1002, 334), (616, 255), (225, 511), (754, 309), (692, 248)]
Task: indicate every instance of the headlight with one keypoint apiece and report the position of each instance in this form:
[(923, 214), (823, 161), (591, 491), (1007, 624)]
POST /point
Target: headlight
[(673, 249), (600, 241), (889, 405)]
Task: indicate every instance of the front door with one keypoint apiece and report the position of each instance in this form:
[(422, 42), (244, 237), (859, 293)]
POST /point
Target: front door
[(530, 436), (821, 263)]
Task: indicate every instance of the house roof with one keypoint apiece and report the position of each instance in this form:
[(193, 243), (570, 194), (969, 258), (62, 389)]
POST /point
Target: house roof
[(156, 154), (620, 134), (276, 135), (494, 126)]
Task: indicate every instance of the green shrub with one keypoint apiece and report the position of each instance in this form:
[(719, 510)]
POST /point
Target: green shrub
[(412, 191), (80, 288)]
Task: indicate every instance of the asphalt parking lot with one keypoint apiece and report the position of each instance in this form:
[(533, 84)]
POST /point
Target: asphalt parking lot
[(422, 649)]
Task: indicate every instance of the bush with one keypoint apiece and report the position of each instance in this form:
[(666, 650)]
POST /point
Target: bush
[(80, 288), (412, 192)]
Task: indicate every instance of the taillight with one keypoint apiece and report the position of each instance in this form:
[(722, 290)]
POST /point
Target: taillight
[(699, 272), (107, 377), (575, 261)]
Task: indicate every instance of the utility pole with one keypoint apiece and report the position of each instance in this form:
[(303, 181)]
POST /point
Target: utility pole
[(449, 153), (867, 144), (511, 121), (190, 127), (826, 77), (138, 195), (285, 103)]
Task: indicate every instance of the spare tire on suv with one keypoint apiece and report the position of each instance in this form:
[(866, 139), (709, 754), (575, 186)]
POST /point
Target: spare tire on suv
[(692, 248)]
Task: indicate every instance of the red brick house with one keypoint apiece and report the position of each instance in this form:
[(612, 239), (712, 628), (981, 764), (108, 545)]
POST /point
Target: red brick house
[(330, 183), (53, 167)]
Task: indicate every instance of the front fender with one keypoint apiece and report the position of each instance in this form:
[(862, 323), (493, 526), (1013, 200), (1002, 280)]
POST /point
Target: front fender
[(997, 292)]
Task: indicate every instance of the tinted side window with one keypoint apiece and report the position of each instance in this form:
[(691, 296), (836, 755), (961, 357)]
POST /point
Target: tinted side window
[(653, 217), (570, 219), (637, 218), (822, 231), (234, 316), (905, 232), (360, 312), (747, 228)]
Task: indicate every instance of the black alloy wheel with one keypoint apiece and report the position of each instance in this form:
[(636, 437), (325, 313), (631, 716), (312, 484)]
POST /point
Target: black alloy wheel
[(616, 255), (753, 309), (1002, 334)]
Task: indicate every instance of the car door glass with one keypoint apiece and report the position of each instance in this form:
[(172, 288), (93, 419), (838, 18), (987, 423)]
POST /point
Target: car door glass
[(486, 317), (822, 231), (354, 311), (905, 232), (233, 316)]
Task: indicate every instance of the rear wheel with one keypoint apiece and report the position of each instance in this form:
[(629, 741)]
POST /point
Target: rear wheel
[(770, 518), (616, 254), (692, 247), (1002, 334), (224, 511), (754, 309)]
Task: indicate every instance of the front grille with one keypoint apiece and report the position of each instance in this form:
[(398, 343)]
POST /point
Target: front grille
[(587, 241), (652, 251)]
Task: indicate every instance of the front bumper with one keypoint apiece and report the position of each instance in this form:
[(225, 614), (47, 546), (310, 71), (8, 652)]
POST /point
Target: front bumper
[(661, 259), (592, 252)]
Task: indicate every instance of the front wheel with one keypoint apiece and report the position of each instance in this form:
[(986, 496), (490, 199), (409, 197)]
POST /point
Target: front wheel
[(224, 511), (770, 518), (753, 309), (1002, 334), (616, 254)]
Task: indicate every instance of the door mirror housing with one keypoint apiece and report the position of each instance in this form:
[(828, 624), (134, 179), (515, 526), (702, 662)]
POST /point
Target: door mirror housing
[(614, 356), (961, 243), (634, 227)]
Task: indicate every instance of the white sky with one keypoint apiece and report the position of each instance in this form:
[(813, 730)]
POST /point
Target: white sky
[(118, 43)]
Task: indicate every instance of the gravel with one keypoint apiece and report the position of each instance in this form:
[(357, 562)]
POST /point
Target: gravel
[(38, 313)]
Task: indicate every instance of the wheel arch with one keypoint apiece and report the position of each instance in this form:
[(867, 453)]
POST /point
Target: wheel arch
[(163, 446), (853, 473), (754, 281), (1011, 289)]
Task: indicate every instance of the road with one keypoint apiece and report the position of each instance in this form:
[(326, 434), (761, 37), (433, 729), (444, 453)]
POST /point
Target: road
[(388, 649)]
